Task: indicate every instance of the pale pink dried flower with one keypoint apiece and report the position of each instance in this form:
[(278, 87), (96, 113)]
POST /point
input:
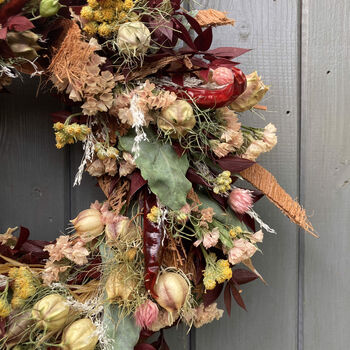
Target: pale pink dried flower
[(202, 315), (146, 314), (242, 250), (77, 253), (165, 319), (207, 214), (222, 149), (51, 272), (96, 168), (211, 238), (270, 137), (240, 200), (254, 150), (127, 166), (56, 251), (257, 237)]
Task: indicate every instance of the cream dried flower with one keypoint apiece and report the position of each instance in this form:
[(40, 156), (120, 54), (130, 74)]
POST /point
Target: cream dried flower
[(127, 166), (51, 272)]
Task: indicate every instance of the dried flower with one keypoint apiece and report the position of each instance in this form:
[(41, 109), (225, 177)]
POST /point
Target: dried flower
[(254, 150), (80, 335), (165, 319), (127, 166), (154, 214), (77, 253), (177, 119), (257, 237), (96, 168), (211, 238), (133, 38), (240, 200), (253, 94), (222, 182), (172, 291), (146, 314), (215, 271), (51, 312), (88, 224), (202, 314), (52, 272), (56, 250), (269, 137), (8, 237), (242, 250)]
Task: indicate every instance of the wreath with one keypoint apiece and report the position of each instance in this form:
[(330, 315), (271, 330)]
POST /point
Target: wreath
[(161, 118)]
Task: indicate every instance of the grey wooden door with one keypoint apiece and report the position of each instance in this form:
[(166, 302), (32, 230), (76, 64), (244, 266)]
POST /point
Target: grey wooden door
[(302, 49)]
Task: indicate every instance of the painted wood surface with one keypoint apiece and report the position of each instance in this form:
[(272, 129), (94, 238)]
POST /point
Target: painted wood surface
[(304, 56), (325, 171)]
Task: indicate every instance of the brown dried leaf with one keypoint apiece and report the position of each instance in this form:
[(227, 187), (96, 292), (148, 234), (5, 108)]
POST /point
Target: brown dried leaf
[(264, 181), (211, 17)]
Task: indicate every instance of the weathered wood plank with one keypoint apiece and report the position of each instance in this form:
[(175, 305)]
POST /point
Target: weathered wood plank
[(270, 28), (33, 172), (325, 171)]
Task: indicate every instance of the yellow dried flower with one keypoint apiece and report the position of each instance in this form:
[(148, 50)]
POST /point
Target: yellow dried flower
[(98, 16), (5, 308), (216, 271), (93, 4), (73, 129), (58, 126), (108, 14), (87, 13), (131, 254), (154, 214), (91, 28), (23, 285), (107, 3), (104, 29), (119, 5), (209, 283), (224, 271), (128, 4), (223, 182), (234, 232)]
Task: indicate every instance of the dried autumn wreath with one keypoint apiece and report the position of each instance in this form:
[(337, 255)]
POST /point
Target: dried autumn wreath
[(159, 115)]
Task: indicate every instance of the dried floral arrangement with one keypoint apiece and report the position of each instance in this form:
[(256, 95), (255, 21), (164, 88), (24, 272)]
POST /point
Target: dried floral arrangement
[(159, 115)]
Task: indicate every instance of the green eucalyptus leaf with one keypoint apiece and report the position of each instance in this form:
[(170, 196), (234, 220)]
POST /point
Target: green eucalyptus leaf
[(121, 332), (164, 170)]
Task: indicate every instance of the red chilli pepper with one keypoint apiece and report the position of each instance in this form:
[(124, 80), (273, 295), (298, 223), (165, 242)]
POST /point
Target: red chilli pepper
[(152, 244), (214, 98)]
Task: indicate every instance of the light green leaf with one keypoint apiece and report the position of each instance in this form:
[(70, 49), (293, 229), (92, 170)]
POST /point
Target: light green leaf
[(122, 333), (162, 168)]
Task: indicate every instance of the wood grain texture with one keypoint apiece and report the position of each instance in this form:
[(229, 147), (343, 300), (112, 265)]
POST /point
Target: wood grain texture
[(325, 171), (271, 29), (33, 172)]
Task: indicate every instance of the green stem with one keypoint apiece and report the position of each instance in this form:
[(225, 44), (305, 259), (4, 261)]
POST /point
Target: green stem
[(70, 118), (35, 18)]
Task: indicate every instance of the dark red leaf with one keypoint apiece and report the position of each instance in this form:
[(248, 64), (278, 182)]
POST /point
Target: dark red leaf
[(182, 33), (195, 178), (175, 4), (30, 247), (221, 200), (178, 149), (23, 237), (178, 79), (19, 23), (11, 8), (144, 346), (227, 298), (198, 62), (220, 62), (194, 23), (237, 295), (160, 343), (242, 276), (228, 52), (136, 183), (234, 164), (204, 40), (210, 296), (145, 334)]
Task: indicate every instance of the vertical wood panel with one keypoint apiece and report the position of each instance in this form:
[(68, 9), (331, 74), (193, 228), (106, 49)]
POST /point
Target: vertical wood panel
[(325, 170), (33, 171), (270, 28)]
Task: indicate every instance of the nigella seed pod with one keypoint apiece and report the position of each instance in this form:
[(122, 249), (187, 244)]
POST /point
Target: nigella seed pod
[(133, 38), (172, 290), (177, 119), (49, 8), (51, 312), (88, 223), (118, 286), (80, 335), (253, 94)]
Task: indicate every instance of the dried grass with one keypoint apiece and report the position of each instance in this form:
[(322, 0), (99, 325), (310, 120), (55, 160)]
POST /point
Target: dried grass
[(264, 181)]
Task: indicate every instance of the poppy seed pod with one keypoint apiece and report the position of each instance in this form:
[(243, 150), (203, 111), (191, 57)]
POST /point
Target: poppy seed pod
[(117, 287), (49, 8), (172, 290), (177, 119), (253, 94), (133, 38), (80, 335), (51, 312), (88, 223)]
